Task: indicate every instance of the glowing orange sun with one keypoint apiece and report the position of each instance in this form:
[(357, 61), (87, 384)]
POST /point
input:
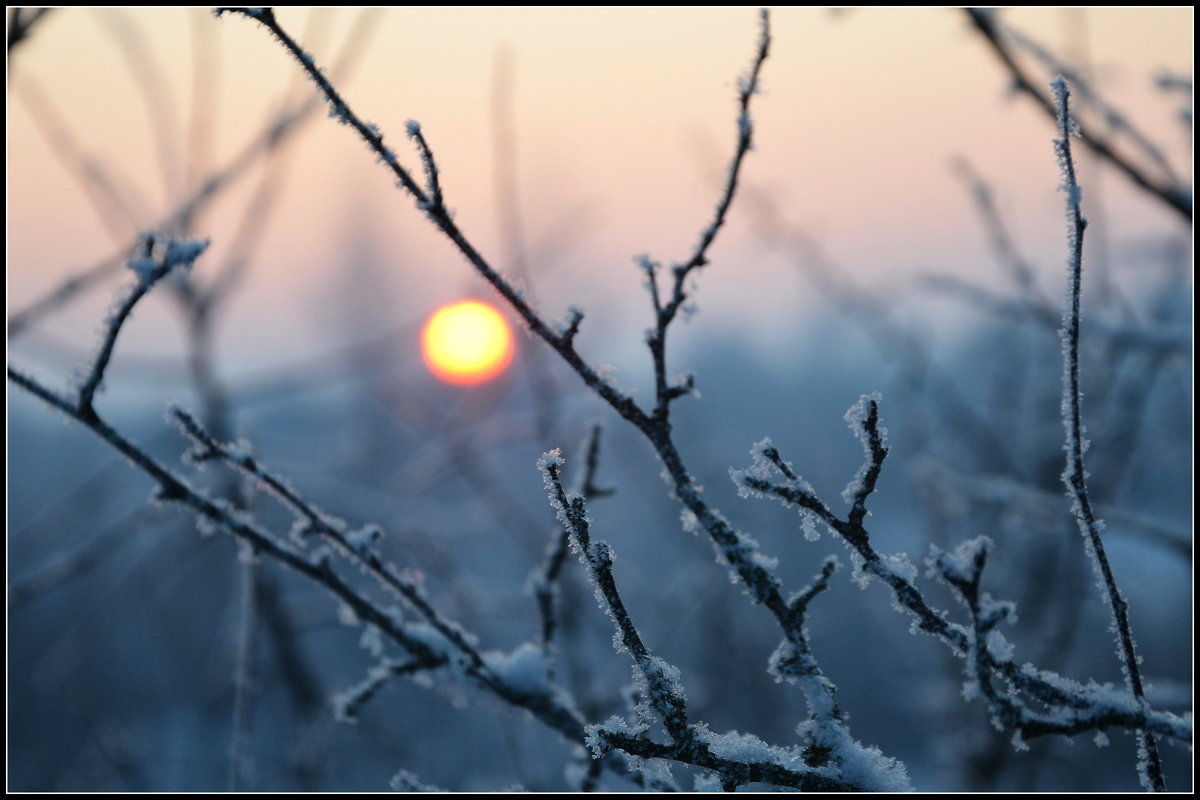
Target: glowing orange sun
[(467, 342)]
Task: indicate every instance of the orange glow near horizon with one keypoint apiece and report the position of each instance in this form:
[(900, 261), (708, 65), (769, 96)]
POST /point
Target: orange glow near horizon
[(466, 343)]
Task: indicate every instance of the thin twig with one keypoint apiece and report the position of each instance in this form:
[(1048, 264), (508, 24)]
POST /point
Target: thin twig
[(1075, 474), (659, 683), (1079, 708), (1177, 198), (112, 197), (545, 581), (150, 271), (278, 130), (357, 547), (147, 75), (21, 22)]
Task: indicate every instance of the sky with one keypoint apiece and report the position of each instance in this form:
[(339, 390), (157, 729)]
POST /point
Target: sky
[(620, 124)]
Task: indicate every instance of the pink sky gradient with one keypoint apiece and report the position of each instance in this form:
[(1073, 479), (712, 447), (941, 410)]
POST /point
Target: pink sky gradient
[(623, 121)]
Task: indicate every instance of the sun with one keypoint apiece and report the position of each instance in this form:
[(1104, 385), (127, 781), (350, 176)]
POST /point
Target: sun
[(467, 342)]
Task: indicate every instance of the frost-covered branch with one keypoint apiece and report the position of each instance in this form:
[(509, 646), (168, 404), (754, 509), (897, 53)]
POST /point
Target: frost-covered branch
[(430, 646), (665, 311), (436, 642), (171, 488), (829, 760), (1175, 196), (1076, 707), (430, 200), (151, 266), (453, 644), (659, 681), (1073, 708), (561, 340), (739, 550), (545, 581), (348, 704), (1116, 121), (1075, 474)]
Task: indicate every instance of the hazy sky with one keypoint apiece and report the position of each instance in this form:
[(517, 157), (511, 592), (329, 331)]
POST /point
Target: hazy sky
[(623, 121)]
